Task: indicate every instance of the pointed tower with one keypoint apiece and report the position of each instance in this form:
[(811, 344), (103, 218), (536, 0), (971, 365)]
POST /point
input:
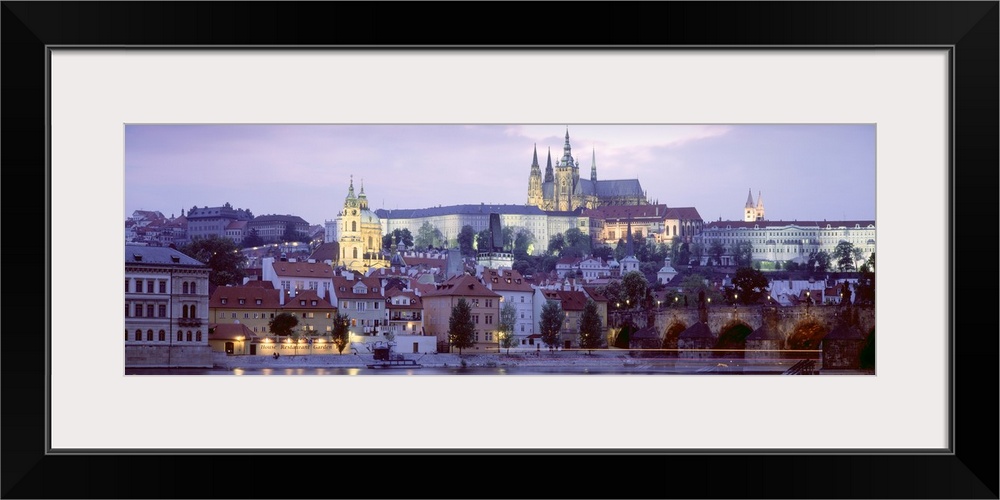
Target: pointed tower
[(548, 185), (548, 168), (749, 210), (362, 199), (565, 178), (593, 165), (629, 262), (759, 211), (535, 182), (351, 247)]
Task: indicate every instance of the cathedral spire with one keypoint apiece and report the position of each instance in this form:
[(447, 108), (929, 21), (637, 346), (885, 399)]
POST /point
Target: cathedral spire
[(567, 158), (629, 251), (593, 165), (534, 161), (548, 168), (350, 189), (749, 199), (760, 201)]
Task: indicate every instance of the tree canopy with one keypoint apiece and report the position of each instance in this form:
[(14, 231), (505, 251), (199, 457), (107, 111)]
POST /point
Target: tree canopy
[(428, 236), (397, 236), (282, 324), (550, 323), (523, 240), (591, 336), (461, 329), (634, 288), (819, 261), (865, 288), (341, 333), (750, 285), (556, 243), (221, 254), (843, 254), (505, 329), (715, 250), (743, 253), (252, 239), (466, 241)]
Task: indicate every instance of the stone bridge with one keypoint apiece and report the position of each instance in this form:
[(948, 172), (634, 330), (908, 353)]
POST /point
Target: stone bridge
[(739, 329)]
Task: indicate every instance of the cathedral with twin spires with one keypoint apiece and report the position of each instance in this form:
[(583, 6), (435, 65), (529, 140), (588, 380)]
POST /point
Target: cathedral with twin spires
[(562, 190)]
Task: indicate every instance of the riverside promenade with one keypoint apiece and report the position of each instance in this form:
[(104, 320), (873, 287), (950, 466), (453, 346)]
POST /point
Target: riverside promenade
[(598, 359), (566, 361)]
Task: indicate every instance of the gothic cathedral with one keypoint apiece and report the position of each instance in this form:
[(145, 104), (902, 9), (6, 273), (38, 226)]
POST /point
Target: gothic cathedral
[(562, 189)]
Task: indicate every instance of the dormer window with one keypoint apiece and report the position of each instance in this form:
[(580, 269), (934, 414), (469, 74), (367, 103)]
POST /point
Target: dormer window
[(223, 301), (259, 302), (243, 301), (313, 302), (302, 302)]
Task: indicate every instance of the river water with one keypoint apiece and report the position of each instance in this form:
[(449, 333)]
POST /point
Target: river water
[(776, 369)]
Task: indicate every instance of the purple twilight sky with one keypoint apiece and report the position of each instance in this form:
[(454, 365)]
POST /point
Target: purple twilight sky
[(804, 172)]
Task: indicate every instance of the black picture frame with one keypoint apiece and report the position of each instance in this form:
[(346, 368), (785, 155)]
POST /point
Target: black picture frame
[(970, 470)]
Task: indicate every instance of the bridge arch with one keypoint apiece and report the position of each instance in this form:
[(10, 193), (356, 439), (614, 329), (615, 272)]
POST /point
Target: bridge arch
[(806, 335), (670, 336), (732, 340)]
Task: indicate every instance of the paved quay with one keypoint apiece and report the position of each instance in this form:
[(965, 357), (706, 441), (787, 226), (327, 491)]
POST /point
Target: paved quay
[(598, 359)]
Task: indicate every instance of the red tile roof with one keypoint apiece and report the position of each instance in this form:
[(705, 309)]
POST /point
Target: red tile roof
[(230, 331), (343, 288), (270, 299), (683, 213), (301, 269), (415, 302), (506, 280), (572, 301), (464, 286)]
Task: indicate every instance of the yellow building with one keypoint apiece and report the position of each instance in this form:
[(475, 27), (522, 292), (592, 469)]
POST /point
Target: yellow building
[(254, 307), (360, 234)]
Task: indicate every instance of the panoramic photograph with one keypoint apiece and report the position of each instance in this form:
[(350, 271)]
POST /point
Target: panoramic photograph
[(500, 249)]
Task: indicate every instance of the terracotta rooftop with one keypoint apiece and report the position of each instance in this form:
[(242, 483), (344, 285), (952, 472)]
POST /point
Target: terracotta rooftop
[(464, 286), (300, 269)]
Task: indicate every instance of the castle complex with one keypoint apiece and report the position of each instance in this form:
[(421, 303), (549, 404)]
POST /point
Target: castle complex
[(562, 189)]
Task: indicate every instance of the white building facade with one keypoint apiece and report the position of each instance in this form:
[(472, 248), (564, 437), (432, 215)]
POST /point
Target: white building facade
[(782, 241), (166, 309), (450, 220)]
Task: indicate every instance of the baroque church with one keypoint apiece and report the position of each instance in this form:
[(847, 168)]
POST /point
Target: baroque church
[(360, 233), (562, 189)]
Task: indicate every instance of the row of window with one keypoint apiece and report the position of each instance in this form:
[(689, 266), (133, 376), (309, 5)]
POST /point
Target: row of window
[(162, 336), (157, 286), (358, 305), (140, 310)]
